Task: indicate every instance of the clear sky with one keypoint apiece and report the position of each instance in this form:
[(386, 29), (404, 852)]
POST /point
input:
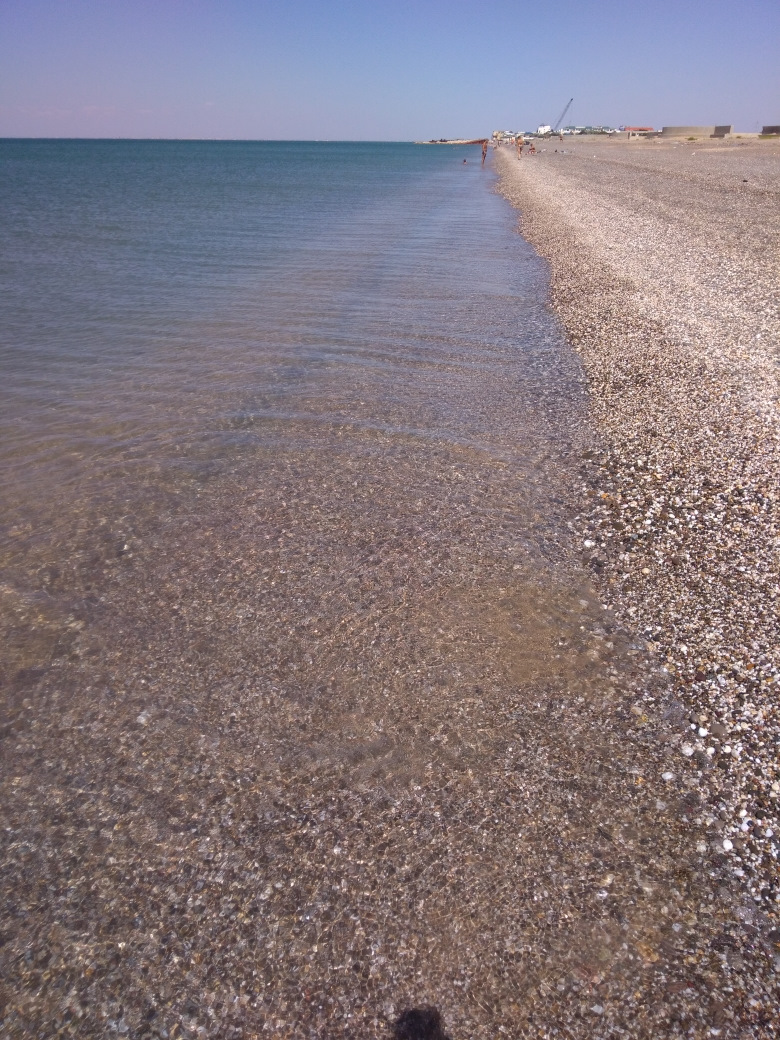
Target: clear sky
[(380, 69)]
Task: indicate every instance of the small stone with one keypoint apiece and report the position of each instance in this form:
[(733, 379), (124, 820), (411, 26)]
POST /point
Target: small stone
[(667, 775), (687, 750), (728, 845), (597, 1009)]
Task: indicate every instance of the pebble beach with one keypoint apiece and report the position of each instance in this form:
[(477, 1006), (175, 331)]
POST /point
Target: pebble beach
[(449, 680), (665, 273)]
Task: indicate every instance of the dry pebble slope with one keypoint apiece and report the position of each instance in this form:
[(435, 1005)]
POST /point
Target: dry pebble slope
[(665, 276)]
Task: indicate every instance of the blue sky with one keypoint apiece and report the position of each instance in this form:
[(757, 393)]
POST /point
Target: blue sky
[(381, 70)]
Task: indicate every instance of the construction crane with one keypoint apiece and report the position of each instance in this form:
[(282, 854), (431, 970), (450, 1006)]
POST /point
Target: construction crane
[(557, 124)]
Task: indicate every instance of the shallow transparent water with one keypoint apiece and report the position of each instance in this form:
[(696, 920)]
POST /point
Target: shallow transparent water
[(176, 312)]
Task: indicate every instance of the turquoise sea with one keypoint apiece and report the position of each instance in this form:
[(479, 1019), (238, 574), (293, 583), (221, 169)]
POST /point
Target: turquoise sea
[(173, 311)]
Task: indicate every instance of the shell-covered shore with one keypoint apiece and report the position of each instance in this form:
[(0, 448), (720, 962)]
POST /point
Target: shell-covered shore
[(664, 264)]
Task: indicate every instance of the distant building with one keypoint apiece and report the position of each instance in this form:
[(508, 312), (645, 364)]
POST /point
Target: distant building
[(696, 131), (589, 130)]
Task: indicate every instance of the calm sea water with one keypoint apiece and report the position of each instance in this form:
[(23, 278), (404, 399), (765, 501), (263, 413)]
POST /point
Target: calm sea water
[(309, 710), (172, 309)]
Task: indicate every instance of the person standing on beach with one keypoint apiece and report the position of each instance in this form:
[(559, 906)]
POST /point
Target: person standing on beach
[(519, 142), (484, 152)]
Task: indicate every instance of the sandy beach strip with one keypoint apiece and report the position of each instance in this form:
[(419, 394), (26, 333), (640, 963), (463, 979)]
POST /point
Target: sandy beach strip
[(664, 264)]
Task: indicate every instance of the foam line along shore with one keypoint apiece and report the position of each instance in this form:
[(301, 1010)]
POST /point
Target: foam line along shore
[(664, 269)]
